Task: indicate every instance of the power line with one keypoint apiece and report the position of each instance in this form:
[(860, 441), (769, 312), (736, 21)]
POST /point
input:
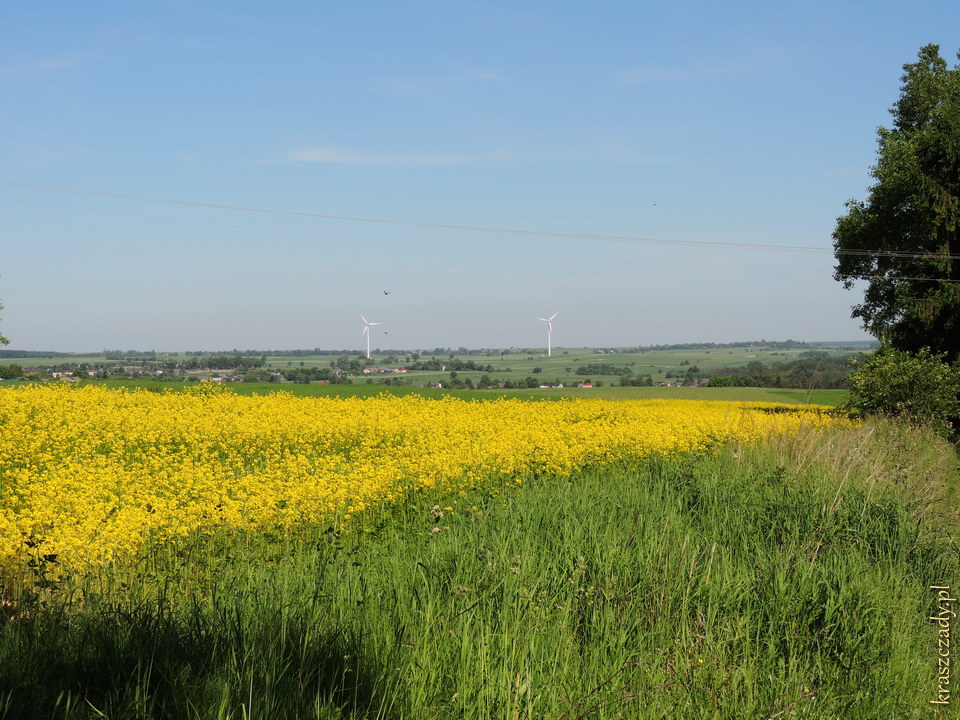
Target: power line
[(480, 228), (352, 238), (896, 277), (304, 233), (408, 223)]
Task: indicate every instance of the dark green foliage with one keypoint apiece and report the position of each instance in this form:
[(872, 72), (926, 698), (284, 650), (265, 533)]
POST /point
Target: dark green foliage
[(636, 381), (921, 388), (602, 369), (222, 362), (10, 372), (903, 240), (810, 373)]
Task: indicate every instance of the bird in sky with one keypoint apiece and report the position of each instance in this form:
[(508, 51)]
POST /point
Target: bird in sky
[(386, 292)]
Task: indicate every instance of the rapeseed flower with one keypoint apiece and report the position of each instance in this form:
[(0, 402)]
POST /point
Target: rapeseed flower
[(90, 474)]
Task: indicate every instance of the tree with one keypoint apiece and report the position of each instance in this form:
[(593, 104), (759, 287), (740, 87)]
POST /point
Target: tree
[(903, 240)]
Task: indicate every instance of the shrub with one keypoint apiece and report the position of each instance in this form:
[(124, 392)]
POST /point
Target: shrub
[(919, 387), (10, 372)]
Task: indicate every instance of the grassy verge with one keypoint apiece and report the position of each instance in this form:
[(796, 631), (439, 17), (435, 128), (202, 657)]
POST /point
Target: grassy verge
[(785, 580)]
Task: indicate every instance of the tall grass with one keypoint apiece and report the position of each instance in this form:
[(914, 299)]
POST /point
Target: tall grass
[(783, 580)]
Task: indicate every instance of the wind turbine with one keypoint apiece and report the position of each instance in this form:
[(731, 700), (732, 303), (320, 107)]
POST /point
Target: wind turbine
[(366, 331), (549, 322)]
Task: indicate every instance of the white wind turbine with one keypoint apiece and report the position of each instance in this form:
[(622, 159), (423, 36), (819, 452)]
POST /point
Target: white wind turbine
[(549, 322), (366, 331)]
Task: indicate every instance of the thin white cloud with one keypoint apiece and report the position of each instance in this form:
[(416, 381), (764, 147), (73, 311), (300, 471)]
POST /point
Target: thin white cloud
[(429, 85), (601, 152), (53, 62), (618, 150), (332, 155), (659, 73)]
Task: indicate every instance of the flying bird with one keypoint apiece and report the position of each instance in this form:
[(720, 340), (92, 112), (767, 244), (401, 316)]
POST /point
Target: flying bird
[(386, 292)]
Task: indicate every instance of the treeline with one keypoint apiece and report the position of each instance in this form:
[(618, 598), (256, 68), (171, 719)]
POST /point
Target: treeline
[(602, 369), (773, 344), (33, 354), (303, 375), (778, 344), (452, 364), (817, 373), (233, 362)]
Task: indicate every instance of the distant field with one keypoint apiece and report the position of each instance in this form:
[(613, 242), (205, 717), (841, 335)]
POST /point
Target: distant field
[(564, 361), (563, 367)]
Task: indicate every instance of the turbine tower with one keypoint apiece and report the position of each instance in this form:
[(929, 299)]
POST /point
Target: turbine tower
[(366, 331), (549, 322)]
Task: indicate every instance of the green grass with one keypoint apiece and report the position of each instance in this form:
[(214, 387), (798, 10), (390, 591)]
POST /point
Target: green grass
[(787, 580)]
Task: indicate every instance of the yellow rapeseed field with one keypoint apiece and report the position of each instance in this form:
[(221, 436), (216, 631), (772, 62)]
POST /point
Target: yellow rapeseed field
[(90, 474)]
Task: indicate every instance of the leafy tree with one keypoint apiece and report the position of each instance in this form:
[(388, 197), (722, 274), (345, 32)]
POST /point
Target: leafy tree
[(903, 239)]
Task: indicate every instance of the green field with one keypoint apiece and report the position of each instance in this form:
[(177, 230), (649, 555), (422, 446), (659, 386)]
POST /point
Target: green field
[(561, 366)]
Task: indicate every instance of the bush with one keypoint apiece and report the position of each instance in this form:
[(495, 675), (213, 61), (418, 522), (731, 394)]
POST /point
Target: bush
[(10, 372), (920, 388)]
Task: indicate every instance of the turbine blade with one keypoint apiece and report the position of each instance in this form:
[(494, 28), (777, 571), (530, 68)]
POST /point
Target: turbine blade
[(554, 315), (363, 318)]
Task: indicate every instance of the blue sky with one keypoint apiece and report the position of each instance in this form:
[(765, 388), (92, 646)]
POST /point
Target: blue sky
[(747, 122)]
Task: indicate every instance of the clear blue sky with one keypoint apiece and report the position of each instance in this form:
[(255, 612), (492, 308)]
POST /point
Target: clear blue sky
[(746, 122)]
